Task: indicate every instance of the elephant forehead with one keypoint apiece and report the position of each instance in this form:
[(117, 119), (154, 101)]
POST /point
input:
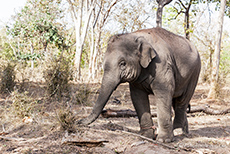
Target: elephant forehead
[(114, 56), (123, 44), (127, 45), (121, 51), (118, 55)]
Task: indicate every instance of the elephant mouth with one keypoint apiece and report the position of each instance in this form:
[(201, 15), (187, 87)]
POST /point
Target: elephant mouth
[(129, 76)]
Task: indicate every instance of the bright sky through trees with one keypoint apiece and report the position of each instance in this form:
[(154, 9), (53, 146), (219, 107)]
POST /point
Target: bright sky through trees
[(9, 8)]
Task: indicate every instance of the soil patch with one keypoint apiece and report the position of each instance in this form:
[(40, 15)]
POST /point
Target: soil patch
[(42, 132)]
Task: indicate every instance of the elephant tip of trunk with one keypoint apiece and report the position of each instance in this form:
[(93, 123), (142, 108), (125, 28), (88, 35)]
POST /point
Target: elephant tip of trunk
[(83, 122), (86, 121)]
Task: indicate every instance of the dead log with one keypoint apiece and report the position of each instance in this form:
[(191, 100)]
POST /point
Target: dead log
[(121, 113), (118, 113), (206, 109), (130, 113)]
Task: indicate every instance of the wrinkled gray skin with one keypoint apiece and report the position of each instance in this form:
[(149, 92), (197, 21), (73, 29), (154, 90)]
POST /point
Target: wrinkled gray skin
[(153, 61)]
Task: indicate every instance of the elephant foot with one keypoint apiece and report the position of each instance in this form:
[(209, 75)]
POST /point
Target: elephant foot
[(167, 138), (149, 132), (185, 130), (183, 127)]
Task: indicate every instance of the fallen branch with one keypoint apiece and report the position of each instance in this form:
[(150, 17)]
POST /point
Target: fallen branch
[(91, 143), (155, 141), (206, 109), (118, 113), (142, 137), (12, 138), (129, 113)]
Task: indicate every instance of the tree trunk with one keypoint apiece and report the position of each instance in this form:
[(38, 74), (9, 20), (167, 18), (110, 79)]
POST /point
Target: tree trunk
[(161, 4), (186, 18), (216, 59), (77, 17), (94, 59), (91, 54), (77, 61), (186, 26), (100, 20), (96, 51), (81, 32), (91, 74), (32, 52), (159, 15)]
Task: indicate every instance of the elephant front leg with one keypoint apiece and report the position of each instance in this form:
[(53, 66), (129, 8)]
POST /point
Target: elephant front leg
[(165, 132), (141, 104)]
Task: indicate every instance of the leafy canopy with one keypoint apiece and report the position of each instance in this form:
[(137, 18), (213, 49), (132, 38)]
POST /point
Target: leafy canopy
[(39, 24)]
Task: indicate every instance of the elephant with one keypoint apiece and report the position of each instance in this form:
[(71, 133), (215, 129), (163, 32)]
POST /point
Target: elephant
[(154, 62)]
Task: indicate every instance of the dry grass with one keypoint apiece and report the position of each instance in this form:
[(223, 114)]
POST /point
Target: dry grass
[(82, 94), (22, 104), (66, 119), (7, 76), (57, 73)]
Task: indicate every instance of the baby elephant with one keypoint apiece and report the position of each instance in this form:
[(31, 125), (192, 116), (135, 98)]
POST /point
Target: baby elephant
[(153, 61)]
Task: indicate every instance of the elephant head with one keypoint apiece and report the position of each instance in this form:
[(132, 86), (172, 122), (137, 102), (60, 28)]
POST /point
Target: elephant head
[(124, 59)]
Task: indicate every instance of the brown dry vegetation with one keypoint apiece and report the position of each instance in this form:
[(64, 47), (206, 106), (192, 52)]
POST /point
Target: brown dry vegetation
[(46, 125)]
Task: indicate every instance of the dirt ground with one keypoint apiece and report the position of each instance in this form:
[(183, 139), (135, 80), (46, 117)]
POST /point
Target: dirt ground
[(41, 132)]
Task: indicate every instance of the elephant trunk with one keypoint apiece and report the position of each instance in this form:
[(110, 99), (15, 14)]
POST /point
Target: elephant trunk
[(107, 88)]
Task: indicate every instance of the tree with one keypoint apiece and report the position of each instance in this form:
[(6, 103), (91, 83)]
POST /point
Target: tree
[(186, 17), (35, 27), (184, 7), (129, 16), (6, 52), (134, 15), (161, 4), (216, 58), (218, 6), (89, 16), (101, 16), (81, 13)]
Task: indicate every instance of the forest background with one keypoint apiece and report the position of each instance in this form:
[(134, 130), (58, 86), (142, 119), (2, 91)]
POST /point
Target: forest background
[(56, 42), (77, 33)]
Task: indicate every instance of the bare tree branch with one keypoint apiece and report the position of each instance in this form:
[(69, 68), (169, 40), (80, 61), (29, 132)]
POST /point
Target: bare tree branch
[(182, 4), (109, 10)]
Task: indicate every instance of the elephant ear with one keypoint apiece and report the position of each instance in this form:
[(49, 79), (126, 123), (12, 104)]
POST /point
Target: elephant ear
[(146, 51)]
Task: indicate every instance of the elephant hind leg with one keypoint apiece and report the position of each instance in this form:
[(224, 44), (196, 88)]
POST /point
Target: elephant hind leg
[(180, 105), (180, 119)]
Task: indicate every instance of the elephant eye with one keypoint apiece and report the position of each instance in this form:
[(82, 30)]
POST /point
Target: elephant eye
[(122, 65)]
